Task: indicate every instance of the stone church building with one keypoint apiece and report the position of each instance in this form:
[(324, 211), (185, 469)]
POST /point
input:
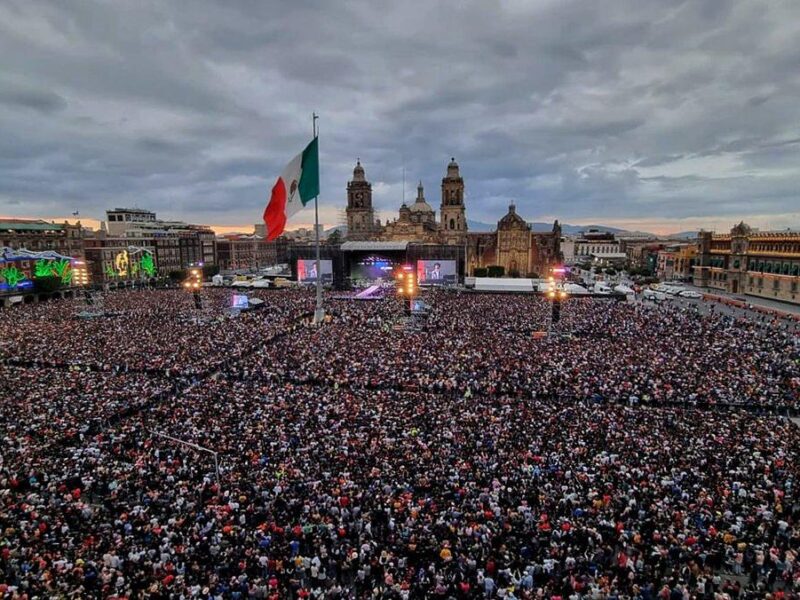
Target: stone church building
[(513, 245), (415, 223)]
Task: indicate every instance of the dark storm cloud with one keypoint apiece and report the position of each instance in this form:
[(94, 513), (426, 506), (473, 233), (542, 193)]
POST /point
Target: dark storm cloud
[(41, 101), (571, 108)]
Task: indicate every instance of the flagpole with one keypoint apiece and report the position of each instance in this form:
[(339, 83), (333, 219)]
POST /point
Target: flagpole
[(319, 312)]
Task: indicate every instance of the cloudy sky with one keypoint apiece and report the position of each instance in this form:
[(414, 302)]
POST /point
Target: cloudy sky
[(651, 114)]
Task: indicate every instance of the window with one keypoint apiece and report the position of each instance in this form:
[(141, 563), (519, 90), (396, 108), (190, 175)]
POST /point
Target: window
[(452, 223), (776, 284)]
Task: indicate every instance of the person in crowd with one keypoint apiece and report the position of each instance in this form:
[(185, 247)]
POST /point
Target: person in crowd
[(165, 452)]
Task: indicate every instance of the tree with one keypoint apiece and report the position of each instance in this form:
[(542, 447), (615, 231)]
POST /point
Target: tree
[(496, 271), (335, 238), (210, 270), (47, 284), (178, 275), (480, 272), (533, 275)]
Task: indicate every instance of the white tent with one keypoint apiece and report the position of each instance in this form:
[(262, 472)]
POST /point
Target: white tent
[(601, 288), (496, 284), (575, 289), (630, 295)]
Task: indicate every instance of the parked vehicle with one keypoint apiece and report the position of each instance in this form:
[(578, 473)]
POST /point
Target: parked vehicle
[(654, 296), (690, 294)]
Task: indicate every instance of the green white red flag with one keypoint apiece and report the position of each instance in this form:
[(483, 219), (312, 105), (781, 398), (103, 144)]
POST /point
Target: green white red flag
[(297, 185)]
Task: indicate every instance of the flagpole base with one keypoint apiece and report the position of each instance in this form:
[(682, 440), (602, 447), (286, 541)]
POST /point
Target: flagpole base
[(319, 316)]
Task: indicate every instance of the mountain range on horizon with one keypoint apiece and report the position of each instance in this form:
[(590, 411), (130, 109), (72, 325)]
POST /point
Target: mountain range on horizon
[(541, 227)]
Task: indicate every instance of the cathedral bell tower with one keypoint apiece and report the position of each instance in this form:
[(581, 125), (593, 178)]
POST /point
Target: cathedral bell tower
[(454, 219), (360, 214)]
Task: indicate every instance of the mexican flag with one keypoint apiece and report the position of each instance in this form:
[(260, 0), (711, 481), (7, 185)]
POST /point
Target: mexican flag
[(296, 187)]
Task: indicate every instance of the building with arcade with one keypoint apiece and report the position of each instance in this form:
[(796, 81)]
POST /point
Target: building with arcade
[(746, 261)]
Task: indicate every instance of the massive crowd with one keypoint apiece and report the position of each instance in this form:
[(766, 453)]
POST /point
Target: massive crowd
[(166, 452)]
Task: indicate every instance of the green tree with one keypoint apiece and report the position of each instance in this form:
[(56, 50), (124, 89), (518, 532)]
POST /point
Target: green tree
[(480, 272), (178, 275)]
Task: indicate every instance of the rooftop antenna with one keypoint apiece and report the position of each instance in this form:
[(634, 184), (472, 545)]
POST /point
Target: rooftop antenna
[(404, 185)]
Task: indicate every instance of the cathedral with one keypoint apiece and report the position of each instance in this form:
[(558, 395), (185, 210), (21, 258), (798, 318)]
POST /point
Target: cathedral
[(415, 223), (513, 245)]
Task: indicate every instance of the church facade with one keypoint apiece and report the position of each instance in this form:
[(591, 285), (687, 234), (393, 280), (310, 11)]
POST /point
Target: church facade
[(415, 223), (513, 245)]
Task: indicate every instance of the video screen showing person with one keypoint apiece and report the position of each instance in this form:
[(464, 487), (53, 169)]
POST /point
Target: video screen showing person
[(307, 271), (240, 301), (436, 272)]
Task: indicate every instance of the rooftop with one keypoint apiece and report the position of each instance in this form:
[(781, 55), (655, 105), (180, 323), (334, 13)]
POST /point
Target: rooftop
[(373, 246), (28, 225)]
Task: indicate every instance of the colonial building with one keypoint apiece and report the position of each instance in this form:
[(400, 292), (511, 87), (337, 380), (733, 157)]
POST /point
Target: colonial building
[(515, 247), (415, 223), (598, 246), (121, 262), (676, 261), (38, 235), (178, 245), (744, 261), (246, 252)]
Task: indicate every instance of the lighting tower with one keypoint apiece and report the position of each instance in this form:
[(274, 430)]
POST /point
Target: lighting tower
[(406, 281), (193, 283)]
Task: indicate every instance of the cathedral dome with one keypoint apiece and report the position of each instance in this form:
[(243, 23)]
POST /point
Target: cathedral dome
[(420, 205)]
